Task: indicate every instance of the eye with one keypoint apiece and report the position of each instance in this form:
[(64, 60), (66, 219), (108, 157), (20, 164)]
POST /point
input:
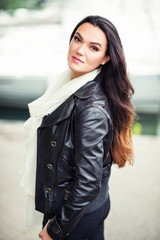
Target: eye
[(94, 48), (77, 39)]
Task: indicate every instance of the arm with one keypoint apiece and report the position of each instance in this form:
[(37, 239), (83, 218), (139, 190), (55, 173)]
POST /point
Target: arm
[(90, 128)]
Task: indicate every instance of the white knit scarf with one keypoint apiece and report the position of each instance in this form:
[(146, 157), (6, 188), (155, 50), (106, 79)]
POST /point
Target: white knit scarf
[(61, 88)]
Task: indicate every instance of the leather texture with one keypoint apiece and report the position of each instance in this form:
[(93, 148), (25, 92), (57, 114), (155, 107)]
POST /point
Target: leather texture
[(73, 156)]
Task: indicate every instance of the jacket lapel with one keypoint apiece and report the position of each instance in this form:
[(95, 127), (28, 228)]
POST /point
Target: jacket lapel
[(65, 109), (61, 113)]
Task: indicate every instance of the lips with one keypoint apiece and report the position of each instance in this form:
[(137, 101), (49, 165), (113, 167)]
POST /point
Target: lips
[(77, 60)]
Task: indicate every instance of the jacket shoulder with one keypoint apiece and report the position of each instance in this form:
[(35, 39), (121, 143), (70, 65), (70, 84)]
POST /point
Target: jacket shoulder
[(96, 100)]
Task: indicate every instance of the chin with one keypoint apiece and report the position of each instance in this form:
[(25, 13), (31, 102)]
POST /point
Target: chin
[(74, 68)]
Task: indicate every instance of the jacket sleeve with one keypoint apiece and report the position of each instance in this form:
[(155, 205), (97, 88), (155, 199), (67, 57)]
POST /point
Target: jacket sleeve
[(90, 128)]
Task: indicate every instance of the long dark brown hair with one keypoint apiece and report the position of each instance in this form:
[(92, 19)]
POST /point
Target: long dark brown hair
[(118, 89)]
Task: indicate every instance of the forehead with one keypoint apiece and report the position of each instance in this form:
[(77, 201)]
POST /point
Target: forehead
[(92, 33)]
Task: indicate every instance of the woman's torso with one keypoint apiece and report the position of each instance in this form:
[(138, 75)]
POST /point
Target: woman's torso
[(57, 147)]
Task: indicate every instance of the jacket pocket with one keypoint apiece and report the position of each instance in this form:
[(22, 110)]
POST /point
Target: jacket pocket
[(65, 169)]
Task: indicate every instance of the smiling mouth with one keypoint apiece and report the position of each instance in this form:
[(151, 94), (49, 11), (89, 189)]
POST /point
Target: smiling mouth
[(77, 60)]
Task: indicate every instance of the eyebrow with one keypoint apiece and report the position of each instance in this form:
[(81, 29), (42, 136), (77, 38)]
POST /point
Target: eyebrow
[(96, 43)]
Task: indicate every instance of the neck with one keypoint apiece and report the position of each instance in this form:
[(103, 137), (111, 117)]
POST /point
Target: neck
[(76, 74)]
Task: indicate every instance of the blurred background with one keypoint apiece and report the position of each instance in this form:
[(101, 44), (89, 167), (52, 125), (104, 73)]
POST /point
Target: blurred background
[(34, 39)]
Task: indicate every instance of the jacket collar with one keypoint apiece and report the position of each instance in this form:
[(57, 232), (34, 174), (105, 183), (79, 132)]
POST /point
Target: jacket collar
[(61, 113), (65, 109), (87, 90)]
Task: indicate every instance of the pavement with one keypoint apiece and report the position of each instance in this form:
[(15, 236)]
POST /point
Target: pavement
[(134, 190)]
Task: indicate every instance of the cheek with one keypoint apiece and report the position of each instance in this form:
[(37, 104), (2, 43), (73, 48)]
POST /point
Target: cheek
[(95, 59), (72, 48), (69, 50)]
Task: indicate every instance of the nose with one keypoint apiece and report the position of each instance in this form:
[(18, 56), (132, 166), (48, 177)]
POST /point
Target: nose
[(81, 50)]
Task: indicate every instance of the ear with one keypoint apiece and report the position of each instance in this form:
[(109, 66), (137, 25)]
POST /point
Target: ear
[(105, 60)]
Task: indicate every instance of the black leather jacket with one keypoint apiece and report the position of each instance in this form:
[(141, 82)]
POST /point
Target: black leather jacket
[(73, 156)]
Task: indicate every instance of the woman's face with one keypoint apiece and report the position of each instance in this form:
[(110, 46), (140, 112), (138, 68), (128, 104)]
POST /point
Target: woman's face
[(87, 50)]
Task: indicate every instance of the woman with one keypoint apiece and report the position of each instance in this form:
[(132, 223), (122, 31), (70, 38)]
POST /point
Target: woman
[(84, 125)]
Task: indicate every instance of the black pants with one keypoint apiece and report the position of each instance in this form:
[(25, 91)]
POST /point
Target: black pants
[(91, 225)]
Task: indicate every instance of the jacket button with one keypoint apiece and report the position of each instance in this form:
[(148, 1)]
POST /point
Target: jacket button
[(58, 232), (49, 166), (48, 190), (53, 143)]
